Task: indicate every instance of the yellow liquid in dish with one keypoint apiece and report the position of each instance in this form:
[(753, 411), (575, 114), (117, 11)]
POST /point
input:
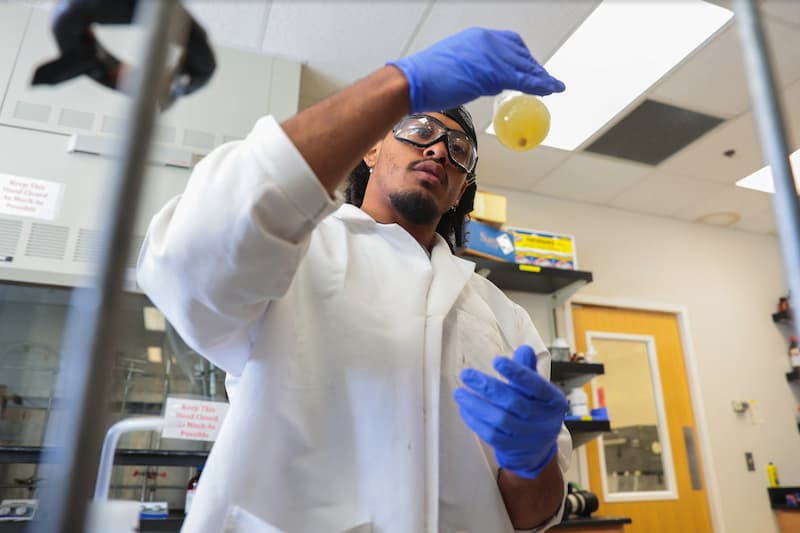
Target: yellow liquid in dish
[(522, 122)]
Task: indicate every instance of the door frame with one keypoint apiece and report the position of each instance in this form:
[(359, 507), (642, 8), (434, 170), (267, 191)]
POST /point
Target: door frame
[(692, 376)]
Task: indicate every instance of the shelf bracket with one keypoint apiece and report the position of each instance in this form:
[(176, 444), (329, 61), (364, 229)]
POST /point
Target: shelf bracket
[(560, 297)]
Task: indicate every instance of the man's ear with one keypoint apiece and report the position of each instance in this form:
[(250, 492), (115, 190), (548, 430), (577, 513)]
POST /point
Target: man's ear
[(371, 157)]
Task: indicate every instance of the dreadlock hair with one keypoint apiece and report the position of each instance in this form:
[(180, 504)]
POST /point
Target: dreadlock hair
[(451, 225)]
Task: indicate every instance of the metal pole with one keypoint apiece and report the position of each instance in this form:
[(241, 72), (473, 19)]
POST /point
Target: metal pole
[(772, 132), (93, 324)]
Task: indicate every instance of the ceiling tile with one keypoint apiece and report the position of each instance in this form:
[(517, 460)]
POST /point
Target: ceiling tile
[(790, 100), (342, 41), (238, 24), (664, 194), (787, 10), (744, 202), (501, 167), (42, 4), (590, 178), (713, 79), (543, 39), (482, 111), (761, 222), (705, 157)]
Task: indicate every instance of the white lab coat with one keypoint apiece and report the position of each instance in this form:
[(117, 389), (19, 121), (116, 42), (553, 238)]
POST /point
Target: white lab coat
[(343, 341)]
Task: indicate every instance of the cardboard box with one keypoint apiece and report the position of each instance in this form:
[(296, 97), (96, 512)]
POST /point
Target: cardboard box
[(490, 208), (488, 241), (542, 248)]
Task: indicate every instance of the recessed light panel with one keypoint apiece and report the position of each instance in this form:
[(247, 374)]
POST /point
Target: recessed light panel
[(762, 179), (618, 53)]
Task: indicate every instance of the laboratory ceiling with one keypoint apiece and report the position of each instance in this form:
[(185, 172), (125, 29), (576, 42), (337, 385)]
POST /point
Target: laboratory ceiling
[(340, 41)]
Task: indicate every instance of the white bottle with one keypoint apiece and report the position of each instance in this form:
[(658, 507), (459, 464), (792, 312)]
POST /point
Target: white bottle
[(578, 402), (191, 489)]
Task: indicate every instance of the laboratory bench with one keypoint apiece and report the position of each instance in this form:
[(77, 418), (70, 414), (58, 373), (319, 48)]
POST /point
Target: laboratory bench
[(786, 514), (593, 524), (573, 525)]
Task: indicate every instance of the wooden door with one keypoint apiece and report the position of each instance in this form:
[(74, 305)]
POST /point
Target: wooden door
[(685, 506)]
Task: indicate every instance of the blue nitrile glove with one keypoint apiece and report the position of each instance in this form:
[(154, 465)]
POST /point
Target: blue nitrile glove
[(475, 62), (520, 419)]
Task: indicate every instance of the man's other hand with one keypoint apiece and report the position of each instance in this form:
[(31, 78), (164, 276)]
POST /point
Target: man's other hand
[(520, 417)]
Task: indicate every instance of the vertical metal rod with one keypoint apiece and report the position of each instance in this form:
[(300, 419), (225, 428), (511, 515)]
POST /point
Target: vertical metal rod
[(772, 132), (92, 328)]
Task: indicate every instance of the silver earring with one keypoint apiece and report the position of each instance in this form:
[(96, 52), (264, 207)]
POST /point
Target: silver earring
[(370, 170), (453, 209)]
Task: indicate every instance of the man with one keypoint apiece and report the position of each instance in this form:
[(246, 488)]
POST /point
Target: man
[(359, 349)]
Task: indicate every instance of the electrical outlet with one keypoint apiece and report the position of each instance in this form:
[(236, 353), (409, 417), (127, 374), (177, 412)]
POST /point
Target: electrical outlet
[(748, 458)]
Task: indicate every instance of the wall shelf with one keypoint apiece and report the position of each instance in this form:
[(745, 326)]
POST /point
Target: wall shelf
[(529, 278), (583, 431), (777, 497), (782, 317), (146, 525), (122, 457), (569, 375)]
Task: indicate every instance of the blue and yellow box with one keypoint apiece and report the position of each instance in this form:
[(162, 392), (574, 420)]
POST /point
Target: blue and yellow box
[(545, 249), (488, 241)]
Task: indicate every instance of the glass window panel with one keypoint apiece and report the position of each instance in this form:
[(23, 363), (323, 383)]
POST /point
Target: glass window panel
[(632, 452), (151, 362)]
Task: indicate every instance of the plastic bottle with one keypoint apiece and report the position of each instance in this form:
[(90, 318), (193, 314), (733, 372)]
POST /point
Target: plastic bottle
[(578, 402), (521, 121), (191, 488), (794, 352), (772, 475)]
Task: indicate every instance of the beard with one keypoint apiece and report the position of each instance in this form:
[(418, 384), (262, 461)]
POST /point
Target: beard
[(415, 206)]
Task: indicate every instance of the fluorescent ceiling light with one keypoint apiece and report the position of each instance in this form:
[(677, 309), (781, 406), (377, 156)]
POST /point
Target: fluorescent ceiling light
[(618, 53), (762, 180)]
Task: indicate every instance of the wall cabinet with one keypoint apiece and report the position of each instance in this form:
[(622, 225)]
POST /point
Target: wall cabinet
[(66, 135)]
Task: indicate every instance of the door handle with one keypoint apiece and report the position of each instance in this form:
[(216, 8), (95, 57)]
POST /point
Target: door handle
[(691, 457)]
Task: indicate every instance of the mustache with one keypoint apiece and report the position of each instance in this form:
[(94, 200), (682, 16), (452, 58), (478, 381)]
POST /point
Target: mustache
[(441, 160)]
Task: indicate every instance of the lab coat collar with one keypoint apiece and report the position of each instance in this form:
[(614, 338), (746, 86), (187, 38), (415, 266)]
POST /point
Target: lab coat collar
[(351, 213), (450, 273)]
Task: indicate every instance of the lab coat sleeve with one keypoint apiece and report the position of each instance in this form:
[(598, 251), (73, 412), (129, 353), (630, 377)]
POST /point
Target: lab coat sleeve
[(214, 257), (530, 336)]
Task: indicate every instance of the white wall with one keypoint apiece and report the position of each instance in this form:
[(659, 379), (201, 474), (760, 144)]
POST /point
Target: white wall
[(729, 281)]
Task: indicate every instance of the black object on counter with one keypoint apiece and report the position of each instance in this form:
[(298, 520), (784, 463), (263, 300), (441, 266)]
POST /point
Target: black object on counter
[(580, 502)]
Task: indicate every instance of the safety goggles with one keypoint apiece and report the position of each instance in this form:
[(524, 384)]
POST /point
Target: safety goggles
[(423, 131)]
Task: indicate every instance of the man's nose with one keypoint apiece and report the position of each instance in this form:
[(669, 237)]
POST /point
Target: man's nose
[(437, 151)]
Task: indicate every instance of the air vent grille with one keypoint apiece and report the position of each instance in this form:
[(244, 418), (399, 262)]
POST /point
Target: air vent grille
[(73, 118), (653, 132), (47, 241), (32, 112), (87, 249), (10, 231)]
